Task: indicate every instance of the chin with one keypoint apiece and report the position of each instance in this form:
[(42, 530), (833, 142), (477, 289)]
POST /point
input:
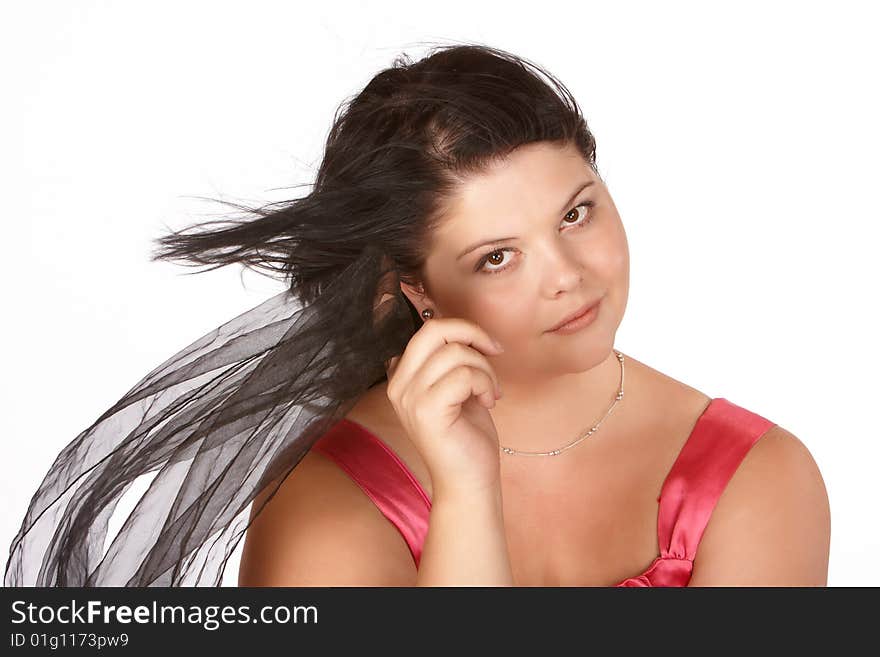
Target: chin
[(580, 355)]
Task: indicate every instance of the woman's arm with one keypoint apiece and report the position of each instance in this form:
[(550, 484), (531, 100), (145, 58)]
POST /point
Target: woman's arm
[(466, 544), (772, 523)]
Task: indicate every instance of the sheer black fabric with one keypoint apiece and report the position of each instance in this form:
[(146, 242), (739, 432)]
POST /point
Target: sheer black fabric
[(217, 422)]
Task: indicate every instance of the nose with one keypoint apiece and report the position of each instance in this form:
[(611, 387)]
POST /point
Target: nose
[(565, 268)]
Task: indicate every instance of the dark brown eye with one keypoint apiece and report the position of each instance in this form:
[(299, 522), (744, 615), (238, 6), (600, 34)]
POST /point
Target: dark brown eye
[(587, 205), (496, 257)]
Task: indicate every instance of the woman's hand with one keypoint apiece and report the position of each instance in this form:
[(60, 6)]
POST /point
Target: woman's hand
[(441, 388)]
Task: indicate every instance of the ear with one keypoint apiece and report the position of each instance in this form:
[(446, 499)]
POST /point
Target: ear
[(418, 297)]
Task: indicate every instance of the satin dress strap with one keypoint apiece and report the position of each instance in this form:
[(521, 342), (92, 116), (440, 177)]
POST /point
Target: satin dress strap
[(383, 477), (719, 441)]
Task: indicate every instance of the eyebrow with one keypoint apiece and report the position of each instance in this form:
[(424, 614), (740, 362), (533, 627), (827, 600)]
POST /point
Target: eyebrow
[(565, 207)]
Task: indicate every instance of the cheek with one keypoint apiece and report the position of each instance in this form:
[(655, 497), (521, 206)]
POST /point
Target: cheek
[(614, 263), (505, 312), (618, 246), (608, 257)]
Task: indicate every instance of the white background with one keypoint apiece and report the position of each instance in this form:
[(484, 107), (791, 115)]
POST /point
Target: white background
[(739, 141)]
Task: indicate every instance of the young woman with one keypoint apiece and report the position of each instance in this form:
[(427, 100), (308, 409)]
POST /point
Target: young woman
[(447, 406)]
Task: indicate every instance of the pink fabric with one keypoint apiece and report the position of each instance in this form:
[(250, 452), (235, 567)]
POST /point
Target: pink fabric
[(718, 442)]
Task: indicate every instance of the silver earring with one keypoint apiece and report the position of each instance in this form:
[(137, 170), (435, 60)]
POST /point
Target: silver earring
[(428, 313)]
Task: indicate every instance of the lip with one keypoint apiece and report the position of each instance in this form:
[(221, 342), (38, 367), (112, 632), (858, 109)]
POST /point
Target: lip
[(587, 313)]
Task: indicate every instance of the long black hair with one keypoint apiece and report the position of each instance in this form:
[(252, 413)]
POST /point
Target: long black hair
[(234, 412)]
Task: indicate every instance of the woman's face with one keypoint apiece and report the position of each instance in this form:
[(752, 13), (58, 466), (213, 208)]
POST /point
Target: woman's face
[(544, 246)]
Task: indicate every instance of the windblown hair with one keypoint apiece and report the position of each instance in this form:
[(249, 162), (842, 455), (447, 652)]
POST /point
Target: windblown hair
[(236, 411)]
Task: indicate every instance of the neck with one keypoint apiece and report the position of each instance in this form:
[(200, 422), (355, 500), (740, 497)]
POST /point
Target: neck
[(547, 414)]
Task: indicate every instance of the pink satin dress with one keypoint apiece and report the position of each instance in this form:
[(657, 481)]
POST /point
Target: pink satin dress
[(718, 442)]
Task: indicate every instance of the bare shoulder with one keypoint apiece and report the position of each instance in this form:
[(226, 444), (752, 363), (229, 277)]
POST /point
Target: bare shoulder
[(772, 524), (374, 412), (320, 529), (664, 390), (668, 408)]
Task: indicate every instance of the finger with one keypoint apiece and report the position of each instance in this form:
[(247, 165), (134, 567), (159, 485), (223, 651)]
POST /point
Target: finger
[(450, 356), (438, 332), (458, 385)]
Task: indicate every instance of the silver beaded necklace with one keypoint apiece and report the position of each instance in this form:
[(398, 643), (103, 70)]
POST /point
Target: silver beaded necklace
[(555, 452)]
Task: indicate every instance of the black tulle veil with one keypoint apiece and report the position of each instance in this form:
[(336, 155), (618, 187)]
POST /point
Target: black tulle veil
[(210, 421), (232, 414)]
